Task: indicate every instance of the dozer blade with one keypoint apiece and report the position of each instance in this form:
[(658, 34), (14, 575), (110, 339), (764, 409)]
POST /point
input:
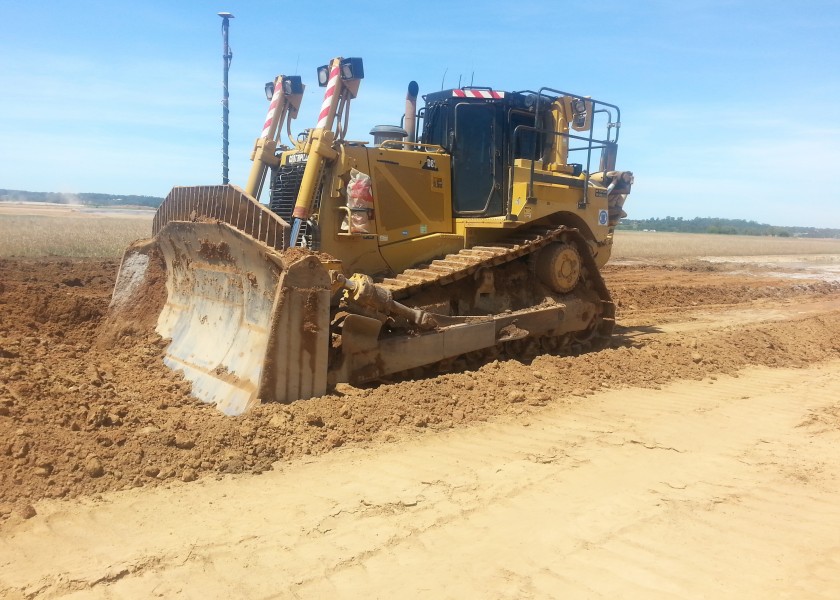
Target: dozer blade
[(247, 321)]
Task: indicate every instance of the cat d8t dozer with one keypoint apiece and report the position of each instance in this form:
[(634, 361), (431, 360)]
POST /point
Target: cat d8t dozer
[(467, 235)]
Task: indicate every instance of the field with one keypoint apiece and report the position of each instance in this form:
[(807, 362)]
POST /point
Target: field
[(645, 245), (68, 230), (698, 456), (28, 230)]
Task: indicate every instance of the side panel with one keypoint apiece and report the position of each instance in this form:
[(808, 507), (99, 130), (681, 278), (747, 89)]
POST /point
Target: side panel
[(357, 252), (557, 192), (412, 194)]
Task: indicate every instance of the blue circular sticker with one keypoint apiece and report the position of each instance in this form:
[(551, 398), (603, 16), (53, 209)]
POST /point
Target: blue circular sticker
[(602, 217)]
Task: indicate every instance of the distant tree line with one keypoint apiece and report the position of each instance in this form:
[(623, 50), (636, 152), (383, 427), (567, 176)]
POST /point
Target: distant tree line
[(726, 227), (87, 199)]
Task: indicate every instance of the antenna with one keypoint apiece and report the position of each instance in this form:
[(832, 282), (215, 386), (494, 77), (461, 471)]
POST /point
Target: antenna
[(444, 77), (459, 82), (227, 56), (472, 76)]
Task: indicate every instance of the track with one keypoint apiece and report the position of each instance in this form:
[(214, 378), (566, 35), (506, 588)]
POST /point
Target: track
[(467, 262), (440, 281)]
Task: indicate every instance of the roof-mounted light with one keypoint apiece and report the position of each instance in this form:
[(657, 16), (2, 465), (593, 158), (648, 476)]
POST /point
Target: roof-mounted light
[(579, 108), (292, 84), (323, 75), (352, 68)]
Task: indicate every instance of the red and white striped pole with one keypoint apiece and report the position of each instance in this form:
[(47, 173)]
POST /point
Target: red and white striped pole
[(317, 137), (270, 125), (264, 146), (330, 102)]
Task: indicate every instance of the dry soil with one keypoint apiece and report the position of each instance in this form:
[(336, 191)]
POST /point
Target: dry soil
[(696, 457)]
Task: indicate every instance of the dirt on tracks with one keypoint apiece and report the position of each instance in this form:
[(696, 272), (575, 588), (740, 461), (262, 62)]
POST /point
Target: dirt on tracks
[(87, 407)]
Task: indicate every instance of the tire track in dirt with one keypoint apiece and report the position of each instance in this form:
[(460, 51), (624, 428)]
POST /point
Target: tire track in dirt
[(689, 491), (751, 521), (706, 512)]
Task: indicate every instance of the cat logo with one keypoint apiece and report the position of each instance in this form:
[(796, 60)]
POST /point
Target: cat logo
[(298, 158), (430, 164)]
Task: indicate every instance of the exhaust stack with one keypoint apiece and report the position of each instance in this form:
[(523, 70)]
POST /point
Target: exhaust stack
[(411, 111)]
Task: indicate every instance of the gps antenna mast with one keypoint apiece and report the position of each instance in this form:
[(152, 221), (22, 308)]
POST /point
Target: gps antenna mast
[(227, 55)]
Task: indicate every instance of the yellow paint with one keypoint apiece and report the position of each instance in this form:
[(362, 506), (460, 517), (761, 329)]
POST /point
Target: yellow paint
[(413, 222)]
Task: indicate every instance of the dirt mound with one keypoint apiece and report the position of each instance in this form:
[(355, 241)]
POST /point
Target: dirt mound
[(137, 313), (80, 416), (697, 283)]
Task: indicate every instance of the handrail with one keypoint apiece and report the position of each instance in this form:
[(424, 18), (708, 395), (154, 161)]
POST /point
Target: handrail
[(594, 103), (434, 147), (592, 144)]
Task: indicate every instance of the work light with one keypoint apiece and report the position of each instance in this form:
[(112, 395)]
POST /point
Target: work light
[(579, 107), (323, 75), (352, 68), (292, 85)]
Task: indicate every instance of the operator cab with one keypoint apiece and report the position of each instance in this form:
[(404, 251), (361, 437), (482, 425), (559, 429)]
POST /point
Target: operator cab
[(489, 133), (483, 130)]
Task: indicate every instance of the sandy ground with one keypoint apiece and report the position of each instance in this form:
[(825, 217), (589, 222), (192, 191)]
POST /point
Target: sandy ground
[(697, 457), (726, 490)]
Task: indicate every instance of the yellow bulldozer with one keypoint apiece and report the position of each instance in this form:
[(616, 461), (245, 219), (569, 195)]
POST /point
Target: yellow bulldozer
[(463, 234)]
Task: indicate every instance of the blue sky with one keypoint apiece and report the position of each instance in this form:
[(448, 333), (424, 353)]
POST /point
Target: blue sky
[(728, 108)]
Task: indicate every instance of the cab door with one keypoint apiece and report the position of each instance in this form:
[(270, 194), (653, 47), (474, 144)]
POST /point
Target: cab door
[(475, 190)]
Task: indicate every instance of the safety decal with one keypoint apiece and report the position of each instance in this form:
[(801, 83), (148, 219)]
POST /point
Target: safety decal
[(424, 229), (603, 218), (478, 94), (383, 238)]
